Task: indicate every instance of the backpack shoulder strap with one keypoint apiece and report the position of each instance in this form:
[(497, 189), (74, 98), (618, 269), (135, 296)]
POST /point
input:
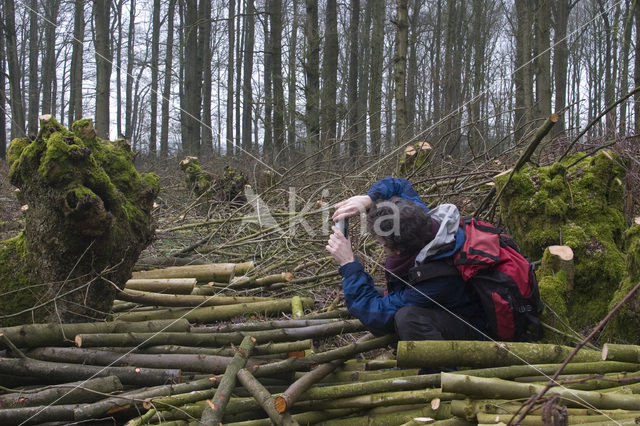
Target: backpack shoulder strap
[(432, 269)]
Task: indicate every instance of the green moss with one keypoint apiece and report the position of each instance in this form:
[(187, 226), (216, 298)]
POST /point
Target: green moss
[(18, 294), (580, 207)]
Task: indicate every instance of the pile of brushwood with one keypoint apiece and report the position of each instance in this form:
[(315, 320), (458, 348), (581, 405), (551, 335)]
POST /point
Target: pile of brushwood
[(160, 360), (234, 312)]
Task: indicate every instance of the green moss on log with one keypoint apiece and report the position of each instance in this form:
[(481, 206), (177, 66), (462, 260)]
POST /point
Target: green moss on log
[(625, 325), (88, 219), (580, 207)]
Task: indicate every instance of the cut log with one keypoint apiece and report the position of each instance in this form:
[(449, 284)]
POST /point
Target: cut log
[(264, 398), (184, 300), (55, 334), (252, 282), (54, 372), (215, 313), (498, 388), (196, 363), (69, 393), (220, 272), (162, 285), (262, 325), (216, 339), (212, 414), (560, 258), (622, 353), (265, 349), (297, 311), (433, 354)]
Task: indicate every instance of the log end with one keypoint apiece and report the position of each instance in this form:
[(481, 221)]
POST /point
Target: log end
[(78, 341), (296, 354), (147, 404), (281, 404), (605, 352), (563, 252), (554, 118), (288, 276), (637, 220)]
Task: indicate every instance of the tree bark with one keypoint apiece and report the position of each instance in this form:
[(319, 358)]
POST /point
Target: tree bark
[(62, 372), (267, 144), (523, 78), (104, 58), (155, 65), (287, 398), (265, 349), (230, 73), (214, 313), (375, 84), (218, 272), (131, 37), (15, 90), (622, 353), (68, 393), (484, 354), (291, 128), (264, 398), (34, 92), (3, 103), (157, 299), (400, 60), (35, 335), (278, 91), (162, 285), (353, 125), (213, 413), (192, 82), (560, 22), (312, 77), (204, 47), (542, 62), (247, 88), (498, 388), (251, 282), (328, 100)]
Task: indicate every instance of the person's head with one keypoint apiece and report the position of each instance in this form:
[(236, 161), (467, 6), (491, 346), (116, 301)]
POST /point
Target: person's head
[(400, 225)]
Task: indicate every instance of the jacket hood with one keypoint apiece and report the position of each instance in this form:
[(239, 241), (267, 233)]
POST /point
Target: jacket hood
[(448, 217)]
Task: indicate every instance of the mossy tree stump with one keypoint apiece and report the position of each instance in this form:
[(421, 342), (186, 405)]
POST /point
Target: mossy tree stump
[(580, 207), (88, 218), (228, 187)]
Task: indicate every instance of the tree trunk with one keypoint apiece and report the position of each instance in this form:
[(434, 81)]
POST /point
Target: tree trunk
[(363, 75), (204, 47), (264, 398), (3, 103), (542, 52), (278, 91), (352, 85), (636, 74), (110, 217), (192, 82), (412, 68), (119, 71), (218, 272), (523, 78), (128, 122), (166, 91), (400, 71), (330, 75), (49, 61), (247, 88), (312, 74), (560, 61), (624, 72), (375, 84), (231, 34), (267, 144), (610, 66), (17, 108), (291, 130), (104, 58), (155, 64), (240, 36), (34, 93)]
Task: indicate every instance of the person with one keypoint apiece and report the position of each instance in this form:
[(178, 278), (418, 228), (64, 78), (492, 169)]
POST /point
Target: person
[(436, 308)]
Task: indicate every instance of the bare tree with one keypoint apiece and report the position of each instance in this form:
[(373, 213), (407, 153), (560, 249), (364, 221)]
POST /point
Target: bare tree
[(204, 47), (230, 74), (192, 81), (636, 74), (523, 77), (128, 126), (166, 91), (375, 85), (278, 90), (34, 93), (118, 48), (247, 89), (15, 100), (329, 74), (624, 72), (400, 71), (293, 43), (3, 104), (155, 62), (542, 62), (267, 144), (104, 58), (312, 74), (352, 83)]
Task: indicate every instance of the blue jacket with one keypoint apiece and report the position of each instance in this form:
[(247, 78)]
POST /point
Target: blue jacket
[(375, 311)]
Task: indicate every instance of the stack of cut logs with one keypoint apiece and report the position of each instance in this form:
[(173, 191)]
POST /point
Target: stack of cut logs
[(168, 358)]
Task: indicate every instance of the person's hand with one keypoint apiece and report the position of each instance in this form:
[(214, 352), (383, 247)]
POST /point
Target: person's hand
[(352, 207), (339, 247)]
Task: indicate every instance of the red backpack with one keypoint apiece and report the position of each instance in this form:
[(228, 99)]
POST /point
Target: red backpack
[(490, 262)]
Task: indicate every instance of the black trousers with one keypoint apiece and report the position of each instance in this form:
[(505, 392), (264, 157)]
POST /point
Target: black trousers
[(417, 323)]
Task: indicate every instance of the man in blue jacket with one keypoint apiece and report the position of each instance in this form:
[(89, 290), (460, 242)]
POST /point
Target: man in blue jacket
[(439, 308)]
